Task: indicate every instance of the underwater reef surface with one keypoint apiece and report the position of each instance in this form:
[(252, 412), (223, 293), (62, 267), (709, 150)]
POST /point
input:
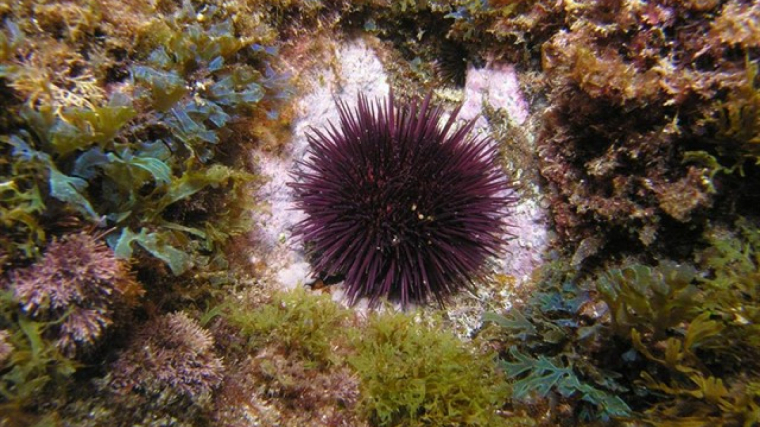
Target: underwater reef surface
[(151, 269)]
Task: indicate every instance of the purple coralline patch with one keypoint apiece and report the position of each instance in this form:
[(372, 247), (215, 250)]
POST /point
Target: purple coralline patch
[(79, 286), (169, 358)]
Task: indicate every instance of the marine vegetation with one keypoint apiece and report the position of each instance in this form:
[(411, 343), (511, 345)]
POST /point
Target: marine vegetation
[(56, 313), (651, 110), (169, 361), (294, 360), (117, 121), (546, 347), (79, 286), (401, 203), (125, 128), (417, 374), (667, 344), (126, 161), (322, 364)]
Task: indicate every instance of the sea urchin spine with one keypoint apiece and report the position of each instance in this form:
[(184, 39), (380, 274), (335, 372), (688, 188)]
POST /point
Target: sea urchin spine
[(400, 206)]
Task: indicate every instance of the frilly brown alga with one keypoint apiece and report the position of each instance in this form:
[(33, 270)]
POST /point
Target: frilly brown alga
[(641, 96)]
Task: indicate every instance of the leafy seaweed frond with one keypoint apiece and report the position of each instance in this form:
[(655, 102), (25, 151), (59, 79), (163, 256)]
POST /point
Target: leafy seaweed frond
[(67, 189), (739, 116), (35, 362), (650, 299), (541, 376)]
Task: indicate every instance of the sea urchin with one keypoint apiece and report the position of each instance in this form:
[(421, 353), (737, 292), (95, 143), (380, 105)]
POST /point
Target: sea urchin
[(400, 203)]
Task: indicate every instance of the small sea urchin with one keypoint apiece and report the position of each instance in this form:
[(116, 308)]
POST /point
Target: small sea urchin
[(399, 202), (451, 65)]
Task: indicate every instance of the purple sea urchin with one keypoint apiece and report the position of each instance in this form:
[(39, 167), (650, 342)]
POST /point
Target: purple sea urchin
[(400, 205)]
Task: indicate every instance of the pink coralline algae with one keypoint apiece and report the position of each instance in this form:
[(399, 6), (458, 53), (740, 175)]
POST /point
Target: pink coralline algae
[(171, 358), (496, 85), (79, 286)]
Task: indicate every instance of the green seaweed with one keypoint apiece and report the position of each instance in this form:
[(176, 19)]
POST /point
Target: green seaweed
[(21, 203), (668, 345), (166, 87), (122, 132), (420, 375), (302, 324), (701, 366), (34, 363), (540, 376), (65, 131), (67, 189), (649, 299), (546, 354), (409, 373), (96, 160)]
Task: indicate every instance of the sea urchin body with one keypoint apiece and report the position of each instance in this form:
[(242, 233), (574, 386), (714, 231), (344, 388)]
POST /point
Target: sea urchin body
[(401, 203)]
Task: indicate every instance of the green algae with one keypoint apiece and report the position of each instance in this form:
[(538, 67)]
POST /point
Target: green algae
[(413, 374), (409, 372)]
